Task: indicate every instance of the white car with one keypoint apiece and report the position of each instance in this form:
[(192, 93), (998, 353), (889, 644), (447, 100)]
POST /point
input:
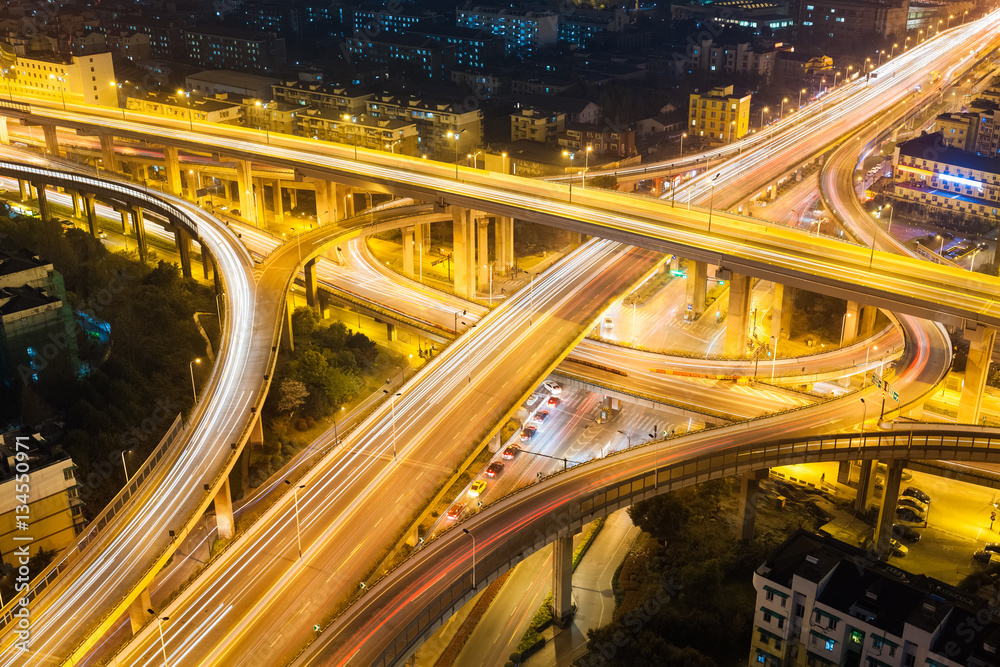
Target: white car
[(553, 388), (608, 322)]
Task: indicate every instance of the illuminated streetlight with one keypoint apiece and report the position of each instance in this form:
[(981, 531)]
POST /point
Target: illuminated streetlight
[(683, 134), (62, 87), (267, 136), (298, 529), (194, 390)]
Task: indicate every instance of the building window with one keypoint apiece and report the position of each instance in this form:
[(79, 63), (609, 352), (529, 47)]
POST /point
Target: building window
[(829, 644), (800, 611)]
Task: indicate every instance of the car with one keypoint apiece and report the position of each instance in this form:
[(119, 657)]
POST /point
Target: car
[(494, 469), (910, 501), (527, 432), (898, 550), (236, 211), (553, 401), (540, 416), (455, 510), (477, 488), (910, 514), (511, 451), (948, 235), (609, 323), (553, 388), (906, 533), (66, 224), (102, 234), (916, 493), (987, 552)]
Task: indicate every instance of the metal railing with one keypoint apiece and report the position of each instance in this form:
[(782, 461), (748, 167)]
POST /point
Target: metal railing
[(968, 443)]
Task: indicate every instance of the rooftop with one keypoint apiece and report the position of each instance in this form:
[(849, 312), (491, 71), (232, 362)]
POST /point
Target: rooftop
[(19, 260), (932, 147), (18, 299), (231, 78)]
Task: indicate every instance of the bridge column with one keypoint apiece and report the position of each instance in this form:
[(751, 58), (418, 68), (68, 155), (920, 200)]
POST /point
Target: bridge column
[(781, 310), (408, 252), (140, 231), (108, 153), (279, 204), (138, 610), (311, 286), (886, 513), (244, 179), (25, 189), (259, 194), (463, 252), (747, 512), (867, 326), (562, 578), (224, 512), (4, 135), (207, 266), (43, 201), (981, 339), (183, 241), (256, 432), (503, 238), (850, 324), (866, 486), (697, 280), (89, 207), (483, 252), (843, 472), (51, 139), (287, 342), (343, 202), (172, 165), (77, 204), (739, 315)]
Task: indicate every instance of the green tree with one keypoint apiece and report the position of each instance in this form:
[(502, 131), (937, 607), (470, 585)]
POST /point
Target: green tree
[(304, 321), (291, 395), (607, 181), (664, 517), (311, 368)]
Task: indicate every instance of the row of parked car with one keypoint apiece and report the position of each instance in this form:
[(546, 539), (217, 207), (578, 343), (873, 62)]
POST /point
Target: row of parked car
[(495, 469)]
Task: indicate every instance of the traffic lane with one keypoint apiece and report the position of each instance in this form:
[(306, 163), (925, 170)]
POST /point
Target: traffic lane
[(450, 423)]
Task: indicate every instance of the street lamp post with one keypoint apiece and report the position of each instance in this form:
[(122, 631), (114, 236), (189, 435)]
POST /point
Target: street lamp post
[(125, 467), (163, 644), (843, 328), (868, 355), (782, 112), (194, 390), (354, 133), (941, 247), (835, 75), (762, 117), (774, 359), (864, 418), (62, 87), (711, 202), (586, 166), (267, 135), (892, 51), (466, 531), (800, 97), (628, 438), (504, 156), (187, 98), (392, 402), (455, 136), (683, 134), (298, 527)]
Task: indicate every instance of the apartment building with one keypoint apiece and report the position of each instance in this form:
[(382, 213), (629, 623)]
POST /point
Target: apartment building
[(339, 99), (76, 79), (444, 128), (719, 115), (363, 131), (524, 32), (238, 49), (821, 602), (937, 177), (853, 22), (730, 58)]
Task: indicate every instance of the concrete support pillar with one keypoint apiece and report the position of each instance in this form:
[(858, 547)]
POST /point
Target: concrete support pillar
[(89, 206), (867, 326), (697, 281), (140, 231), (207, 266), (138, 610), (25, 188), (503, 238), (739, 315), (224, 512), (773, 191), (675, 263), (77, 204), (483, 252), (51, 140), (108, 153), (391, 333), (259, 194), (244, 179), (183, 241), (311, 284), (843, 472), (4, 136), (256, 432), (852, 321), (781, 311), (886, 513), (463, 253), (562, 578), (343, 202), (293, 199), (172, 165), (126, 222), (43, 201), (277, 201), (747, 511), (287, 342), (866, 486), (408, 252), (981, 339)]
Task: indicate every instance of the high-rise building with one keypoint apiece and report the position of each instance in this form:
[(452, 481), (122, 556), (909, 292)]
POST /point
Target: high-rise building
[(82, 79), (524, 32), (234, 49)]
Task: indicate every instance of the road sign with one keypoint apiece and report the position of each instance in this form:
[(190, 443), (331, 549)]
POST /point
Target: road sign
[(876, 379), (690, 306), (895, 395)]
